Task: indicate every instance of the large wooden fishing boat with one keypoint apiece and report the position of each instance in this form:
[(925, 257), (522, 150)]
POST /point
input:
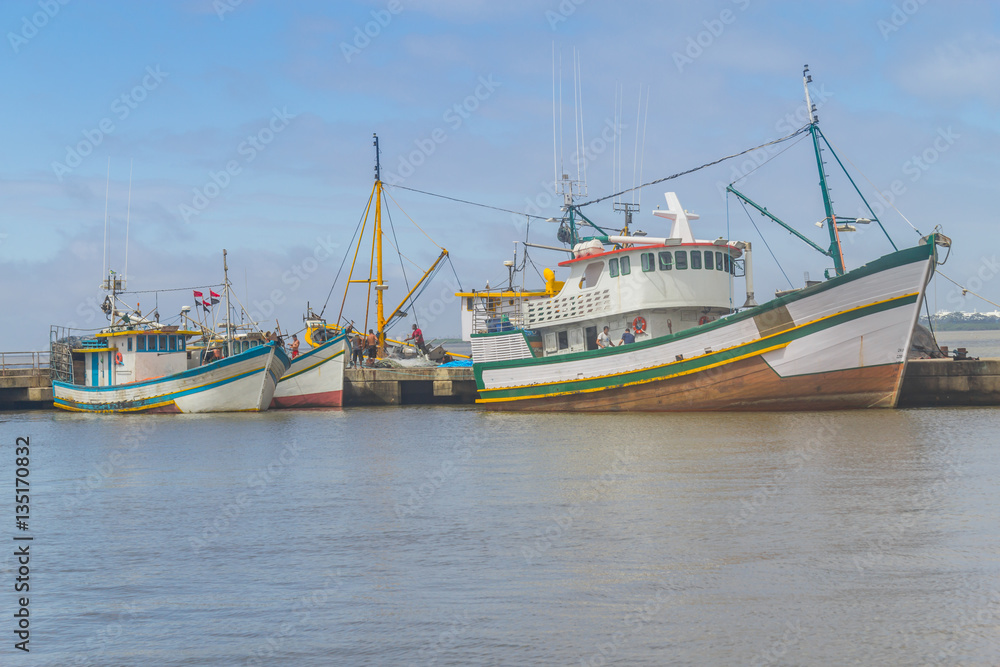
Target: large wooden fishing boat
[(840, 343)]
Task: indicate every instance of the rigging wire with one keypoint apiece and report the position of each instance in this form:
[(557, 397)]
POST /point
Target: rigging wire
[(343, 261), (877, 191), (765, 243), (965, 290), (789, 147), (171, 289), (399, 254), (464, 201), (796, 133)]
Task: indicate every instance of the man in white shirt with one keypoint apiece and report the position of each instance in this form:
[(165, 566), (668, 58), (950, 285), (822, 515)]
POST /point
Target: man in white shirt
[(604, 339)]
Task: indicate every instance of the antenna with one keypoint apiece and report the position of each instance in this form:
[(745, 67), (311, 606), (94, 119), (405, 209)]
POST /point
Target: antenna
[(635, 155), (555, 153), (105, 267), (810, 107), (576, 111), (128, 216), (642, 159), (583, 140), (378, 167)]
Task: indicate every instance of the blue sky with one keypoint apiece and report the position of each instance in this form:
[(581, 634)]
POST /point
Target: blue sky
[(248, 127)]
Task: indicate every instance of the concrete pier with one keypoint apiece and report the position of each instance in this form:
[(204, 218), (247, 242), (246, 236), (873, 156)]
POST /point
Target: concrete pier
[(408, 386), (947, 382), (31, 388)]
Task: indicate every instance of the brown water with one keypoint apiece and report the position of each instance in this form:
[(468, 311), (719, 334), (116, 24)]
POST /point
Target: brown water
[(452, 536)]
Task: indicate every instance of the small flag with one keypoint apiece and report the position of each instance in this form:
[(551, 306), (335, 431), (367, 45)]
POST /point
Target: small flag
[(215, 301), (213, 293), (198, 294), (206, 304)]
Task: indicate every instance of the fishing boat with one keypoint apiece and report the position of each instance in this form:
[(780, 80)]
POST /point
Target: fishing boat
[(833, 344), (315, 378), (137, 364)]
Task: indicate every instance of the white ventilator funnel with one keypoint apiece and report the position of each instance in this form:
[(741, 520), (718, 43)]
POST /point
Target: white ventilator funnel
[(680, 229)]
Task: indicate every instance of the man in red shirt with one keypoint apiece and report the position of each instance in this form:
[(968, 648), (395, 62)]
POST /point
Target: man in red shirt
[(418, 339)]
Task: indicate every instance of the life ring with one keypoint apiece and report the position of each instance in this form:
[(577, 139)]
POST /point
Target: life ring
[(639, 324), (703, 320), (118, 358)]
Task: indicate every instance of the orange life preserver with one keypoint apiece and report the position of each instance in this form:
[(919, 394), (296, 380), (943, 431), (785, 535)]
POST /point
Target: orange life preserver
[(639, 324), (118, 358), (703, 320)]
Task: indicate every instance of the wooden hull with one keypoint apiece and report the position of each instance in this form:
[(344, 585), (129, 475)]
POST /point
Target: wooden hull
[(314, 379), (841, 344), (243, 382)]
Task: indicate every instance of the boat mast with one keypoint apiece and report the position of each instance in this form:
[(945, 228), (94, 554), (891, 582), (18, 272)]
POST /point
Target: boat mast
[(229, 329), (836, 252), (379, 285)]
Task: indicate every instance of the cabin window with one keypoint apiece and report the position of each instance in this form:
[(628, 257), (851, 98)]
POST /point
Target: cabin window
[(173, 343), (129, 344), (468, 303), (666, 261), (181, 343), (140, 343), (576, 337), (563, 340), (729, 262), (550, 342), (613, 267), (162, 346), (648, 262), (708, 260), (681, 259), (718, 261), (592, 274), (626, 266), (695, 259)]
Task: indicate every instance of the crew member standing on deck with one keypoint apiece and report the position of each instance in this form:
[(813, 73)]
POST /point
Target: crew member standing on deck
[(295, 346), (372, 346), (604, 339), (418, 339), (627, 337), (358, 357)]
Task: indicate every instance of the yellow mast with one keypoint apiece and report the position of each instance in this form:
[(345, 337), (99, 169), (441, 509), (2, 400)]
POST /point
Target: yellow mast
[(379, 285)]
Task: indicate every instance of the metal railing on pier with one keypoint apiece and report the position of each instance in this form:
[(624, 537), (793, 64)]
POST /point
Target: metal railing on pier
[(23, 363)]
